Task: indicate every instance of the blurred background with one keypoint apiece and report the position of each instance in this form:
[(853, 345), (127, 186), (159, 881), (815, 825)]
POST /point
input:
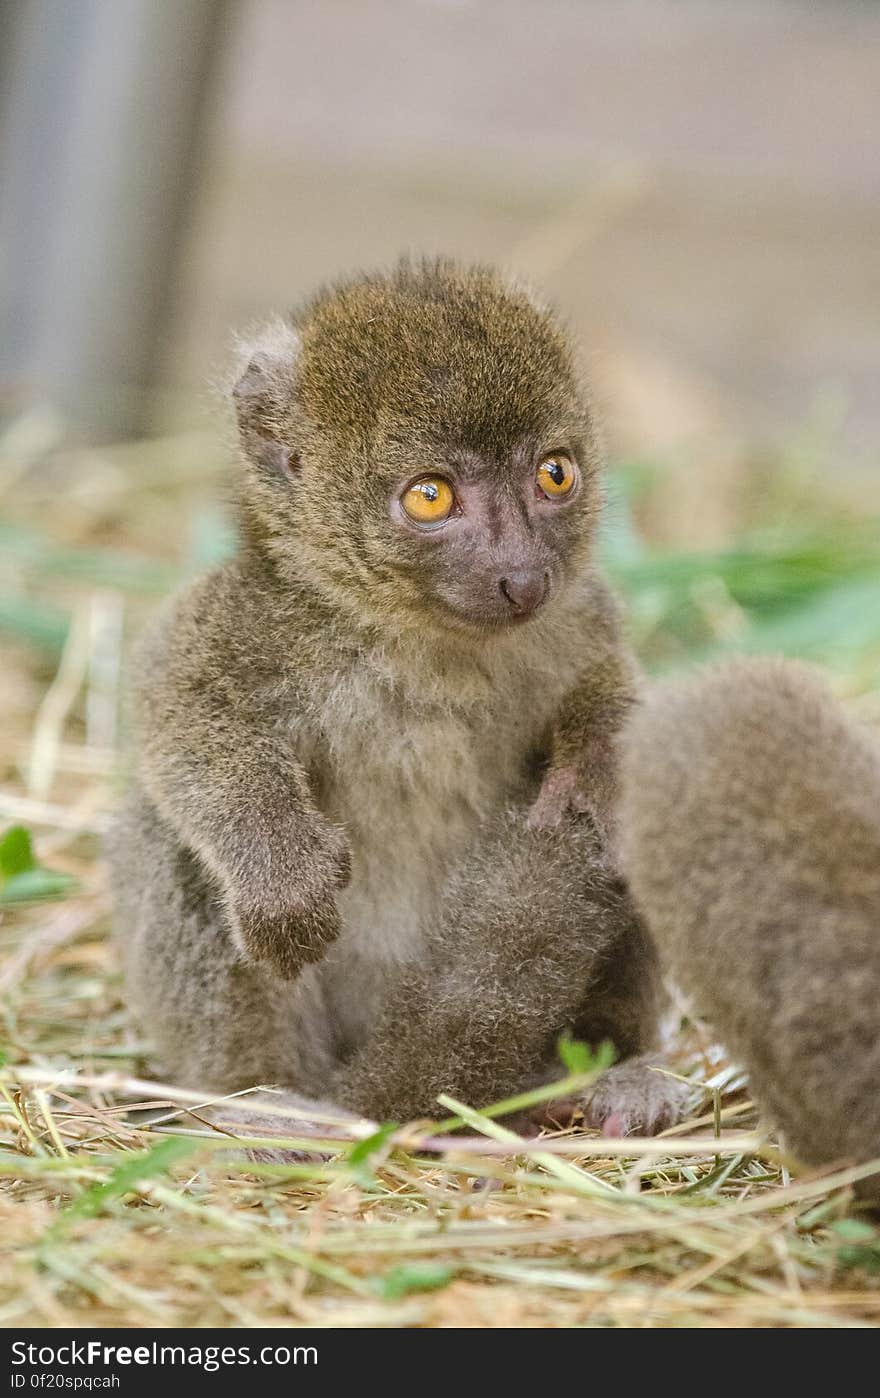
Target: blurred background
[(695, 184)]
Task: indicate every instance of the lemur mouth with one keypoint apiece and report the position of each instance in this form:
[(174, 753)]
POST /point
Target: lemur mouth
[(492, 623)]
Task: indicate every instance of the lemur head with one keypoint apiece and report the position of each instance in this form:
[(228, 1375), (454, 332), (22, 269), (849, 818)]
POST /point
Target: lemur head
[(419, 450)]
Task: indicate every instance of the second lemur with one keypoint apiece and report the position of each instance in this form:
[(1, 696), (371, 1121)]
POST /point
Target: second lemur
[(369, 851), (750, 818)]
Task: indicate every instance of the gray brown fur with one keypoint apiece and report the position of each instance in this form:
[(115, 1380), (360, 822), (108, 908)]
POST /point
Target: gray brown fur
[(751, 836), (364, 856)]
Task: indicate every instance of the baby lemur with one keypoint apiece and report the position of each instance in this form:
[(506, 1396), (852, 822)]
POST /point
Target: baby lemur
[(750, 820), (369, 851)]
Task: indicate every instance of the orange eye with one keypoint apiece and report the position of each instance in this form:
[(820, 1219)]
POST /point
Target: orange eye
[(429, 501), (556, 475)]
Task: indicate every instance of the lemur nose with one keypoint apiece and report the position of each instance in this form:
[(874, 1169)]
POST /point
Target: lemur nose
[(525, 589)]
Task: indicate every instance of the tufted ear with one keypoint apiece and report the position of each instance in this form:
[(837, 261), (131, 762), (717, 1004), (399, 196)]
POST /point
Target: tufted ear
[(262, 395)]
